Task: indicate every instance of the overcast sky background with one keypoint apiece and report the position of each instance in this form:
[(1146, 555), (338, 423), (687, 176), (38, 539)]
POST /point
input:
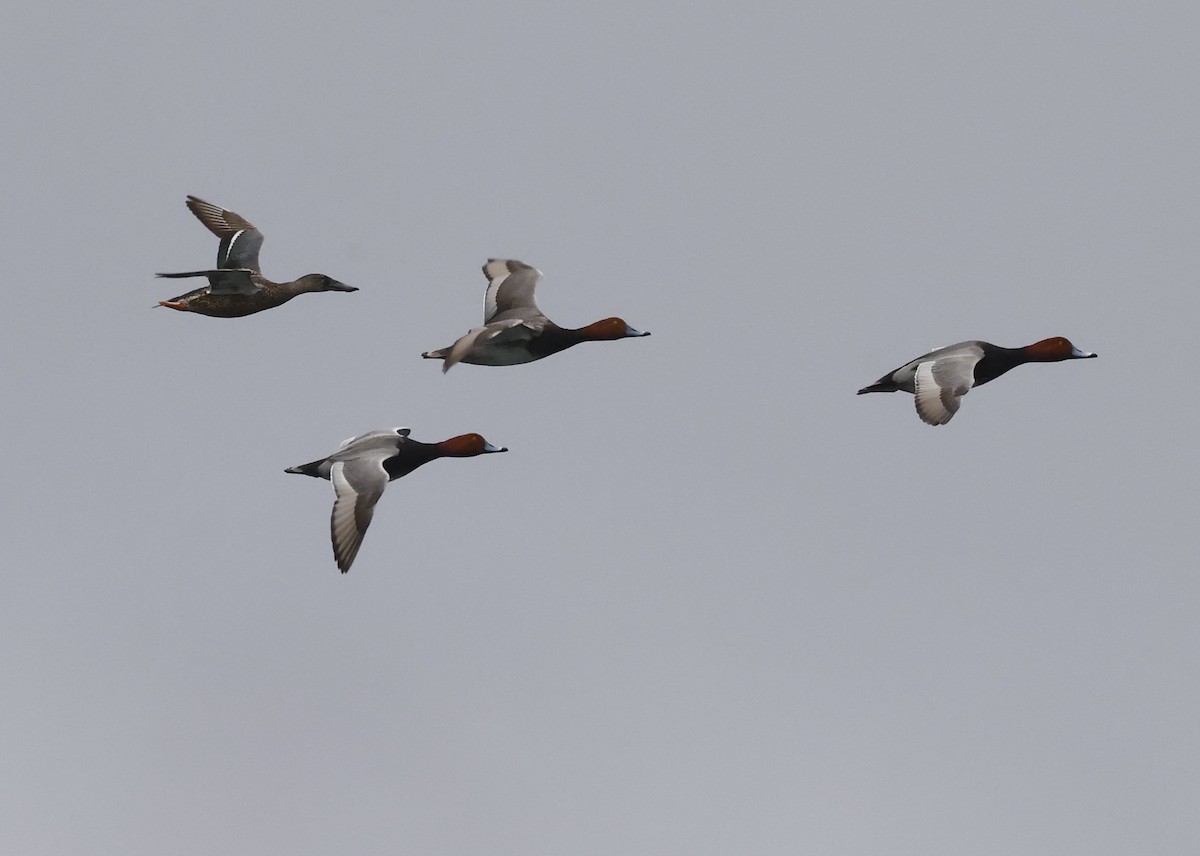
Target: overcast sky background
[(711, 602)]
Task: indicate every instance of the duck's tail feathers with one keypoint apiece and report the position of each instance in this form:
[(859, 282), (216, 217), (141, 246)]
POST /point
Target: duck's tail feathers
[(310, 469)]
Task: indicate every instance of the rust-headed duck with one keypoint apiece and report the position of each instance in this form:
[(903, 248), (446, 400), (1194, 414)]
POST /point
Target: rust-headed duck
[(514, 329), (939, 379), (361, 468)]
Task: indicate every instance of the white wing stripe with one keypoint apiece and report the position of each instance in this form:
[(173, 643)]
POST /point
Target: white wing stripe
[(489, 300), (232, 241)]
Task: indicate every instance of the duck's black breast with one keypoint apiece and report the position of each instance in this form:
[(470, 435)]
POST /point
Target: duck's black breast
[(551, 340), (995, 362), (408, 457)]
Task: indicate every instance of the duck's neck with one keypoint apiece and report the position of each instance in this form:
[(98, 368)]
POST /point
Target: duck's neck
[(566, 336), (310, 283), (416, 454), (997, 361), (554, 339)]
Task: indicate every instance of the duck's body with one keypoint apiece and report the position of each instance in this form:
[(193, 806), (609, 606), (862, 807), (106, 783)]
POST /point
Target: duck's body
[(939, 379), (234, 293), (515, 330), (237, 287), (361, 468)]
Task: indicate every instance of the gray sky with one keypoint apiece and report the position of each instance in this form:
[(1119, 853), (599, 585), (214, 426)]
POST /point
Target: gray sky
[(711, 602)]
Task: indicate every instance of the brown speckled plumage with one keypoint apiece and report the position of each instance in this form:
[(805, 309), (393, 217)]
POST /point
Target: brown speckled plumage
[(236, 287)]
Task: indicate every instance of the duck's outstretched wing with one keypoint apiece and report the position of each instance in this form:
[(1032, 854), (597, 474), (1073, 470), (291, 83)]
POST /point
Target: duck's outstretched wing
[(510, 291), (358, 484), (940, 385), (240, 240)]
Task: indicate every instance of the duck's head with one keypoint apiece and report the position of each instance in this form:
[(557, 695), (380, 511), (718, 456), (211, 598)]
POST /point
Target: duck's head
[(1056, 349), (610, 328), (321, 282), (468, 446)]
